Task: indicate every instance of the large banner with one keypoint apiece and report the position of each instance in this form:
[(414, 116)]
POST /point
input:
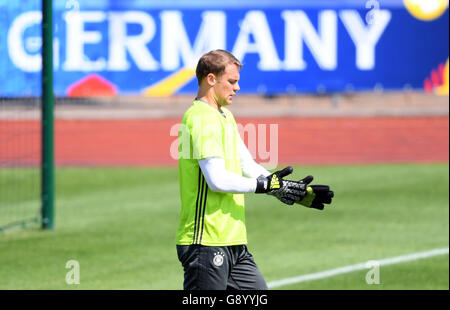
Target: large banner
[(150, 48)]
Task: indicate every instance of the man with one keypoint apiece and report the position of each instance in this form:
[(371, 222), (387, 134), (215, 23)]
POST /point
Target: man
[(211, 238)]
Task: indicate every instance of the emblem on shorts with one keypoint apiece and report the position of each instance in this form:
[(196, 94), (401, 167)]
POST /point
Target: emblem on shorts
[(218, 259)]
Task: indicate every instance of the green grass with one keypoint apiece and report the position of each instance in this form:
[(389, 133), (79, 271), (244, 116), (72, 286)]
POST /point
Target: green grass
[(120, 224), (426, 274), (19, 195)]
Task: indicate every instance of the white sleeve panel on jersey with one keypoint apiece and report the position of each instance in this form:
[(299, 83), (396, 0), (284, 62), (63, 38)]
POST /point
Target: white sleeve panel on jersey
[(221, 180), (249, 167)]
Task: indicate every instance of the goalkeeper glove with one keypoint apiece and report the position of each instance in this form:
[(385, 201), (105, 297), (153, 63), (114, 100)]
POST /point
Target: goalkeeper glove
[(316, 195), (286, 191)]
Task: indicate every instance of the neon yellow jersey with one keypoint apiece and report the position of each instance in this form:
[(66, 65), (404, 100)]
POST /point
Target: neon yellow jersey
[(207, 217)]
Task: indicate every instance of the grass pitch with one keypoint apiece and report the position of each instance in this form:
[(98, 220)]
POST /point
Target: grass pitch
[(120, 224)]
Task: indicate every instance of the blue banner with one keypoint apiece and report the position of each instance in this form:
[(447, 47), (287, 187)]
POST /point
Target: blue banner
[(107, 48)]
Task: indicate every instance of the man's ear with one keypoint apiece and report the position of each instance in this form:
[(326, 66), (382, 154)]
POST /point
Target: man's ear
[(211, 79)]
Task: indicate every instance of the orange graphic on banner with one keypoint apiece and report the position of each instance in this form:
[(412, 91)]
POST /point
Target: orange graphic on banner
[(438, 81), (92, 86)]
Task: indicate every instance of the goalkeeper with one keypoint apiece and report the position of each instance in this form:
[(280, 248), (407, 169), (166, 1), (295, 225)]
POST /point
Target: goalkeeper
[(211, 238)]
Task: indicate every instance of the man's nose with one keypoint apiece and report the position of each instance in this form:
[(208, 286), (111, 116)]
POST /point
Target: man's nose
[(236, 87)]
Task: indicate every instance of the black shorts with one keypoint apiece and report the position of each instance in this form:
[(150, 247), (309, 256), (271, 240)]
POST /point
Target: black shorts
[(219, 268)]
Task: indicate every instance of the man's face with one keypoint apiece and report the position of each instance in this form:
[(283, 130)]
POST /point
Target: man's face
[(227, 85)]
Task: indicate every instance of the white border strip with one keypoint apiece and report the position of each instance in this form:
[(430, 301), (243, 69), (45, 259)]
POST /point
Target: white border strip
[(360, 266)]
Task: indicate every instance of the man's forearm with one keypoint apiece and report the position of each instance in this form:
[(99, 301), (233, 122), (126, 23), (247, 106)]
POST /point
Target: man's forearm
[(221, 180)]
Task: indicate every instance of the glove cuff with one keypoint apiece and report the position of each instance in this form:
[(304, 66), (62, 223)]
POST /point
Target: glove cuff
[(262, 185)]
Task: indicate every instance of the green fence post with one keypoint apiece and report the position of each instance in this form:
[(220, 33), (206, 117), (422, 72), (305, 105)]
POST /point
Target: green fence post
[(47, 168)]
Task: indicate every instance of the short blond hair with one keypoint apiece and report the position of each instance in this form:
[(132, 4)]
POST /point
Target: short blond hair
[(214, 62)]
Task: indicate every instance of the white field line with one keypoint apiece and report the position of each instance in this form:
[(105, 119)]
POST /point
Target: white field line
[(360, 266)]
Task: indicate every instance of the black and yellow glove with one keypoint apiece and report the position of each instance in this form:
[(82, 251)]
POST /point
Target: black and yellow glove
[(286, 191), (316, 195)]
